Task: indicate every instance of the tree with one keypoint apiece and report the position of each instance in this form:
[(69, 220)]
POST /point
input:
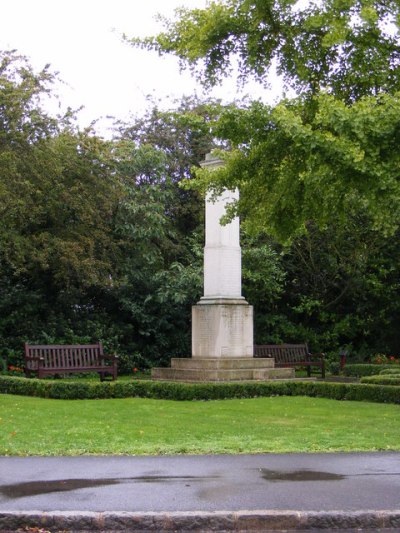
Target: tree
[(348, 47), (292, 167), (161, 225), (321, 168), (94, 238), (59, 192), (327, 153), (340, 289), (173, 142)]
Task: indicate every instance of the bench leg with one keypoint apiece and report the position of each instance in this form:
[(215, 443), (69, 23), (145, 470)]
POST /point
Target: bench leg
[(108, 373)]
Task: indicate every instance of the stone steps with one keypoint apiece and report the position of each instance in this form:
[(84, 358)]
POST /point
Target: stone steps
[(221, 369), (222, 363)]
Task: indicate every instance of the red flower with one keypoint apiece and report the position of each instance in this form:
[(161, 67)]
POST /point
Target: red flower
[(15, 368)]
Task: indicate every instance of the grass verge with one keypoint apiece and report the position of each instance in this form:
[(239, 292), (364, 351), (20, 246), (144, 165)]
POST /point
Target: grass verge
[(140, 426)]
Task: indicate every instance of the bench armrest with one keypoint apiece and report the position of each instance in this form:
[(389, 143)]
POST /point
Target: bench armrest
[(318, 355), (34, 358), (108, 356)]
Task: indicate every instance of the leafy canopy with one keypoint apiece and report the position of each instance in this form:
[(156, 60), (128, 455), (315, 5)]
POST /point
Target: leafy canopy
[(331, 152), (348, 47), (292, 168)]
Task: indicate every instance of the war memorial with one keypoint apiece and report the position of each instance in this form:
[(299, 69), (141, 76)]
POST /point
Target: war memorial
[(222, 321)]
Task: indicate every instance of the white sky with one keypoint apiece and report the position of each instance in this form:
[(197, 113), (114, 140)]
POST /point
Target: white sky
[(81, 39)]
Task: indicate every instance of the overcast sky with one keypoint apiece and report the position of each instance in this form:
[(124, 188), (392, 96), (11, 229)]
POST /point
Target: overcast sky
[(81, 39)]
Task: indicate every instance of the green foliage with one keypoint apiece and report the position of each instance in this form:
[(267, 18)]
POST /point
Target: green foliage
[(349, 48), (318, 172), (361, 370), (262, 273), (329, 288), (204, 391), (334, 368), (322, 179), (94, 234), (99, 241), (3, 365), (382, 379), (57, 205), (128, 362), (165, 146), (323, 162), (57, 196), (390, 371)]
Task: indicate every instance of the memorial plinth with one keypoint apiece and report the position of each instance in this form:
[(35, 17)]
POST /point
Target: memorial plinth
[(222, 321)]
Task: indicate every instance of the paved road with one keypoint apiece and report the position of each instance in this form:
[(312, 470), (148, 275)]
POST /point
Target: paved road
[(305, 483)]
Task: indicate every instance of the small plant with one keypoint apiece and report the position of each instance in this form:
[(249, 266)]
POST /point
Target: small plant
[(14, 370), (334, 368), (128, 362)]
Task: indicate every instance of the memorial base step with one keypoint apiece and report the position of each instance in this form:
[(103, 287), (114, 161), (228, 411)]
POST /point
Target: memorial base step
[(221, 369), (222, 363)]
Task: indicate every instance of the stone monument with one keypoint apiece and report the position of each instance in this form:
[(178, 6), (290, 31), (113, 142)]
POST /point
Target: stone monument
[(222, 321)]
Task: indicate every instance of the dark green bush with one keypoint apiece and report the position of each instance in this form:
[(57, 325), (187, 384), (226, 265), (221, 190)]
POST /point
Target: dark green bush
[(334, 368), (199, 391), (366, 369), (126, 363)]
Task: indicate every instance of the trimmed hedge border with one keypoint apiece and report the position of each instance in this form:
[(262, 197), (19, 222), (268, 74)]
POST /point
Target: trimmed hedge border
[(382, 379), (198, 391), (366, 369), (390, 372)]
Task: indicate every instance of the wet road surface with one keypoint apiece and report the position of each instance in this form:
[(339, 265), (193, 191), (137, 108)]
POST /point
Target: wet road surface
[(305, 482)]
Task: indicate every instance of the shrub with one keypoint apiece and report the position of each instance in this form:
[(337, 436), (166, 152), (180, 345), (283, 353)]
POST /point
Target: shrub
[(126, 362), (11, 357), (198, 391), (392, 379), (334, 368), (395, 371), (367, 369)]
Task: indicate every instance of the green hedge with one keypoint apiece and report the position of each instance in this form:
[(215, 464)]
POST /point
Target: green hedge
[(360, 370), (198, 391), (382, 379), (390, 371)]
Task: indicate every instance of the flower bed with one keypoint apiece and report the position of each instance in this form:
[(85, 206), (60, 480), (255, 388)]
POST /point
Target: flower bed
[(382, 359)]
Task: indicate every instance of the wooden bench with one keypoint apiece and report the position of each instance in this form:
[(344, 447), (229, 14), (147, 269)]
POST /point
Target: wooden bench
[(291, 355), (44, 360)]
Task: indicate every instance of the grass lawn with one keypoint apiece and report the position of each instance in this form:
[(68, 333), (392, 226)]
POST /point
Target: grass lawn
[(37, 426)]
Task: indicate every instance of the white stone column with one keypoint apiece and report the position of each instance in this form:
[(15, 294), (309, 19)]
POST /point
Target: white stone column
[(222, 321), (222, 254)]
